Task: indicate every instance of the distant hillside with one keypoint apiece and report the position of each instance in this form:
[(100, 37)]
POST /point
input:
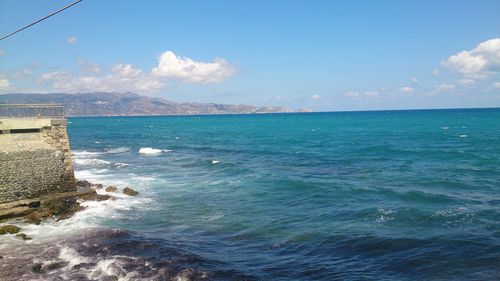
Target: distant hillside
[(130, 104)]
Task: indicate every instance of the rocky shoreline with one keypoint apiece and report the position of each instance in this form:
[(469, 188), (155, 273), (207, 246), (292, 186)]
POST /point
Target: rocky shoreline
[(58, 206)]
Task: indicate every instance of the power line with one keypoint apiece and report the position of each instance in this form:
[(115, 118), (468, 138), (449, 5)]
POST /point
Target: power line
[(37, 21)]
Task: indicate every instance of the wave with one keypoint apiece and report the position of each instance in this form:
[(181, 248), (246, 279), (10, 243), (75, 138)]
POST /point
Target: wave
[(111, 255), (84, 153), (150, 150), (118, 150), (91, 162)]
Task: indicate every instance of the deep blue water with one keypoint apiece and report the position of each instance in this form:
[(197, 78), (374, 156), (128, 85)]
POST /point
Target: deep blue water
[(389, 195)]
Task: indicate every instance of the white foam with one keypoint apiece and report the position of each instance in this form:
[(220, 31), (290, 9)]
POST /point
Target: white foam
[(71, 256), (150, 150), (93, 216), (463, 136), (215, 161), (118, 150), (384, 215), (91, 162), (445, 128), (84, 153)]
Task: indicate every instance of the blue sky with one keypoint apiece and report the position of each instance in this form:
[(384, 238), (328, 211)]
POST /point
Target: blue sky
[(323, 55)]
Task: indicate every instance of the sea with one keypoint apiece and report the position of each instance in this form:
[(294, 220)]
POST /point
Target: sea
[(380, 195)]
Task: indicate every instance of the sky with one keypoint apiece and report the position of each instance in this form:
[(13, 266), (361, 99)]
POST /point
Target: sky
[(321, 55)]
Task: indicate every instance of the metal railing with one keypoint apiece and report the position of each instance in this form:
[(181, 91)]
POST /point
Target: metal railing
[(31, 111)]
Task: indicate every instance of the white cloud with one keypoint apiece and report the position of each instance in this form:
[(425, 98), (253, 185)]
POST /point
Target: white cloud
[(466, 82), (185, 69), (121, 77), (126, 71), (127, 77), (2, 52), (354, 94), (72, 40), (370, 94), (414, 80), (445, 87), (406, 89), (54, 76), (315, 97), (496, 85), (435, 72), (484, 58), (4, 84), (88, 67)]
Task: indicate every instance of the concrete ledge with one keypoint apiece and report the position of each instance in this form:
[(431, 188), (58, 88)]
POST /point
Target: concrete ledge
[(24, 123)]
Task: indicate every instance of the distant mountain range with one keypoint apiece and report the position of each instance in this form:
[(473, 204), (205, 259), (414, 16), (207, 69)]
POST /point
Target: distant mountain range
[(130, 104)]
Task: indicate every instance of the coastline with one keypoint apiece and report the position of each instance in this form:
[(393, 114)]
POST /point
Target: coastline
[(72, 246), (30, 229)]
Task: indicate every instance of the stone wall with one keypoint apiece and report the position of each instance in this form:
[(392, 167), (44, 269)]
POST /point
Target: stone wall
[(34, 159)]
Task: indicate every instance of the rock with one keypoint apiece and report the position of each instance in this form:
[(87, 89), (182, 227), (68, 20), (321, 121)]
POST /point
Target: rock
[(1, 257), (63, 208), (23, 236), (12, 229), (111, 188), (83, 183), (37, 268), (98, 186), (93, 196), (37, 216), (15, 212), (129, 191), (82, 186), (55, 265), (34, 204)]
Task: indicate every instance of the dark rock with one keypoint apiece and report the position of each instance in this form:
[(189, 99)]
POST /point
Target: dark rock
[(64, 208), (1, 257), (12, 229), (34, 204), (77, 266), (93, 196), (129, 191), (54, 265), (111, 188), (83, 183), (23, 236), (37, 268), (83, 186), (98, 186)]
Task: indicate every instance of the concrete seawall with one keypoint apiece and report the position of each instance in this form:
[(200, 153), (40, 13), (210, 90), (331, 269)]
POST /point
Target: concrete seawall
[(35, 158)]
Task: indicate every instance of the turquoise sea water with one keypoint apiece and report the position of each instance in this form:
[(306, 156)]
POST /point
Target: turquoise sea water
[(389, 195)]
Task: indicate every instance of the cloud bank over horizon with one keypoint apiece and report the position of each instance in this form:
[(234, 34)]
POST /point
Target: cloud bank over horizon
[(476, 69), (120, 77)]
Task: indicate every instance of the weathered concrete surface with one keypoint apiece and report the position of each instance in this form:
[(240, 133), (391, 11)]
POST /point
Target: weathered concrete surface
[(34, 162)]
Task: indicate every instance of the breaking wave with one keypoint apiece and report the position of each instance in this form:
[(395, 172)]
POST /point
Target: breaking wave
[(149, 150)]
